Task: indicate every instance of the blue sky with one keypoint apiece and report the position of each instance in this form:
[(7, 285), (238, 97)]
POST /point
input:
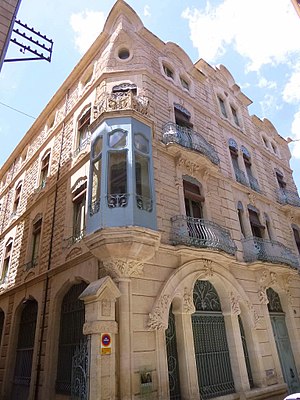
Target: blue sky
[(257, 40)]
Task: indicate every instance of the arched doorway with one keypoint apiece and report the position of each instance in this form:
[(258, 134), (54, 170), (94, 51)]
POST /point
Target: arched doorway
[(24, 351), (282, 340), (211, 348), (70, 336)]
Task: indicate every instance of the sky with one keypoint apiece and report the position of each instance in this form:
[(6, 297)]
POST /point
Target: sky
[(257, 40)]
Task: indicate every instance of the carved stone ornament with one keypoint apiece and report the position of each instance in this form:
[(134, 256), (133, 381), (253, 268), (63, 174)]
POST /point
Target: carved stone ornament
[(208, 269), (254, 316), (158, 319), (235, 303), (188, 165), (252, 198), (263, 298), (123, 268), (188, 303)]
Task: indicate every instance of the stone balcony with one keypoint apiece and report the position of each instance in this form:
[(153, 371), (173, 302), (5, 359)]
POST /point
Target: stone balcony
[(257, 249), (121, 101), (288, 197), (201, 233), (190, 139)]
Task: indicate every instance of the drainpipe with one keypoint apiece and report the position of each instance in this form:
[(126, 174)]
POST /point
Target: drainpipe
[(38, 371)]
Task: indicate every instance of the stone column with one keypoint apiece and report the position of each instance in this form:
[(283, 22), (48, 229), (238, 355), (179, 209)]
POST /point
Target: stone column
[(124, 269), (99, 299), (183, 310)]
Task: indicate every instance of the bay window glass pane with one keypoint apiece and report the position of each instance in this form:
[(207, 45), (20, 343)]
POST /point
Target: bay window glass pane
[(97, 147), (117, 173), (117, 139), (142, 176), (141, 143), (96, 179)]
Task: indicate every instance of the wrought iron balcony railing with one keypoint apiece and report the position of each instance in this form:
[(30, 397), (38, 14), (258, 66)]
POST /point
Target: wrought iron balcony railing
[(257, 249), (121, 101), (76, 237), (254, 184), (31, 264), (82, 146), (288, 197), (201, 233), (190, 139), (240, 177)]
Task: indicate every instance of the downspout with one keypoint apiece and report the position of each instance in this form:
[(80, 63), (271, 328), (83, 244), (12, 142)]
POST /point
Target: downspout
[(38, 371)]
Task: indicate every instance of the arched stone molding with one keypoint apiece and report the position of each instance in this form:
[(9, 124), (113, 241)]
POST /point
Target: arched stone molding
[(184, 278), (178, 291)]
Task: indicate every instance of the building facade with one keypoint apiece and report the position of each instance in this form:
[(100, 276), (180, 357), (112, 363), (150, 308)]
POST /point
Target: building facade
[(149, 235)]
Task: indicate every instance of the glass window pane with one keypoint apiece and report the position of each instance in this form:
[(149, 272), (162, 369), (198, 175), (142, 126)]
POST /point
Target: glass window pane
[(117, 173), (96, 179), (117, 139), (142, 176), (141, 143), (97, 147)]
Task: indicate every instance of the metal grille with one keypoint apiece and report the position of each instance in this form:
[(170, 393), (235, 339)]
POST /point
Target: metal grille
[(173, 370), (80, 371), (210, 342), (72, 320), (22, 374), (212, 356), (246, 354), (274, 304)]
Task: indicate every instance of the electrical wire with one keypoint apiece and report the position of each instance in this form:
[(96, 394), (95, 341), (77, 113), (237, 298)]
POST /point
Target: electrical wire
[(21, 112)]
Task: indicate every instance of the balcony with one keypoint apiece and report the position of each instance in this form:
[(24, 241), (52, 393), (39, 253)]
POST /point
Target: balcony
[(77, 237), (121, 101), (82, 146), (240, 177), (288, 197), (190, 139), (31, 264), (254, 184), (201, 233), (257, 249)]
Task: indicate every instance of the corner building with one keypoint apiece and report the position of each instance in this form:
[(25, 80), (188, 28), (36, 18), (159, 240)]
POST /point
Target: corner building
[(149, 235)]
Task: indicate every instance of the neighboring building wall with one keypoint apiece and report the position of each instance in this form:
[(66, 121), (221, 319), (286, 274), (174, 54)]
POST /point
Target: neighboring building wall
[(140, 270)]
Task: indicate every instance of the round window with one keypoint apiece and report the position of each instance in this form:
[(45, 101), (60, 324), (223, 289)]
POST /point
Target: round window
[(123, 54)]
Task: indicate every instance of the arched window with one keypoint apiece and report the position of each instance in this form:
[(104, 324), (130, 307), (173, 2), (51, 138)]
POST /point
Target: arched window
[(256, 226), (296, 232), (79, 206), (25, 346), (70, 336), (6, 260), (17, 197), (240, 210), (36, 241), (45, 167), (193, 198), (83, 130), (211, 348)]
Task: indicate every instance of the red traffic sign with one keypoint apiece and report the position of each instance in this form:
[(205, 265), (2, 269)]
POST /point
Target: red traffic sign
[(106, 339)]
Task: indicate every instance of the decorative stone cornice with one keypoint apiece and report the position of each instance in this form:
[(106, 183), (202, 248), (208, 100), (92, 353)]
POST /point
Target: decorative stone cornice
[(123, 268), (190, 166)]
